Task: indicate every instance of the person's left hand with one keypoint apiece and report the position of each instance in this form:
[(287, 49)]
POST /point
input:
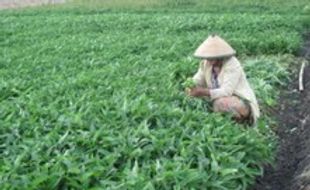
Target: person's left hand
[(197, 92)]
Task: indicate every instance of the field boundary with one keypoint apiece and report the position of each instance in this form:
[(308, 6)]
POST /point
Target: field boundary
[(12, 4), (291, 170)]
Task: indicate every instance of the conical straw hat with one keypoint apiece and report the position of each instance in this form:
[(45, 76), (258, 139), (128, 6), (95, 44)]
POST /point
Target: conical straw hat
[(214, 47)]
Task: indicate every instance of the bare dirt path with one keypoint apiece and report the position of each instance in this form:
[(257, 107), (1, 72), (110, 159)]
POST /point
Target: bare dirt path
[(8, 4), (292, 169)]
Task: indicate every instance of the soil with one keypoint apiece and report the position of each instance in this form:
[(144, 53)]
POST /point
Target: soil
[(9, 4), (292, 167)]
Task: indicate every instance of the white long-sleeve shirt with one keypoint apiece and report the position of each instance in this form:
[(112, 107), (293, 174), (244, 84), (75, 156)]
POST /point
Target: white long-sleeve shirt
[(232, 81)]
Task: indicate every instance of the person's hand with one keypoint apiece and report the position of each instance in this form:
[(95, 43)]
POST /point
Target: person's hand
[(197, 92), (187, 91)]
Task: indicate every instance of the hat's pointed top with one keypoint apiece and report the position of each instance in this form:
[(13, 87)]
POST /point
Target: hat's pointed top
[(214, 47)]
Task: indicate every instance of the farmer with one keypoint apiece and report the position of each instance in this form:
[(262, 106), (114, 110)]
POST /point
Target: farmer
[(221, 77)]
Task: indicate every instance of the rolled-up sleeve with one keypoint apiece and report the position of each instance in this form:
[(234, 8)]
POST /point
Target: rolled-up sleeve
[(231, 77), (199, 77)]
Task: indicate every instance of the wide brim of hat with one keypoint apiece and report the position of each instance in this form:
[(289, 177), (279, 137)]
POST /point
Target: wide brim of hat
[(215, 56), (214, 47)]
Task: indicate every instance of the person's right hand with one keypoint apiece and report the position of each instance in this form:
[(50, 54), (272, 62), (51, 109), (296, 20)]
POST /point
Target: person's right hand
[(198, 92), (187, 91)]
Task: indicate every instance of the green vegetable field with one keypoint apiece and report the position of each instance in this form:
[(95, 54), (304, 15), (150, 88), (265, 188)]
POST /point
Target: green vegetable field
[(92, 97)]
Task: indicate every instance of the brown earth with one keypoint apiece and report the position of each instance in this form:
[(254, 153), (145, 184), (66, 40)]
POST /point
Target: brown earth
[(292, 167), (8, 4)]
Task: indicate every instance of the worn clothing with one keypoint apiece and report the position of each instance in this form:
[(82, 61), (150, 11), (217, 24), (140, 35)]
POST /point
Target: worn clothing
[(214, 81), (232, 81), (214, 47), (240, 109)]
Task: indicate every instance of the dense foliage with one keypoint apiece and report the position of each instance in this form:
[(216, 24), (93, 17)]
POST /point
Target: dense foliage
[(95, 99)]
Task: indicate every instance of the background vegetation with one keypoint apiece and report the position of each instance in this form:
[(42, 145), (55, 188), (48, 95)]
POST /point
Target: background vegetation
[(91, 95)]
